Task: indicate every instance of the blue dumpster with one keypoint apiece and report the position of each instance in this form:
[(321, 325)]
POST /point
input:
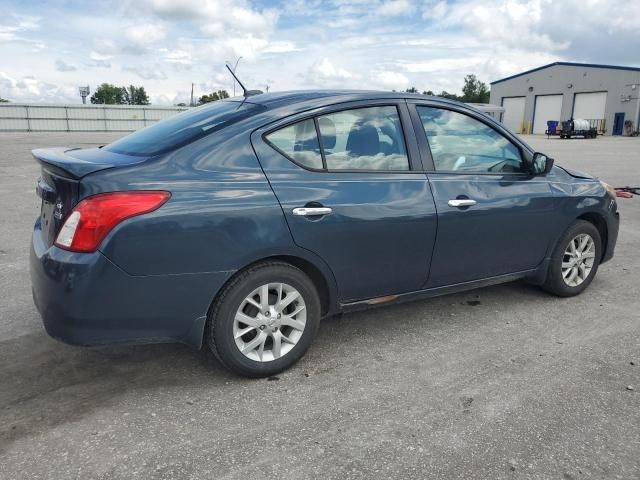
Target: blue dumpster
[(552, 125)]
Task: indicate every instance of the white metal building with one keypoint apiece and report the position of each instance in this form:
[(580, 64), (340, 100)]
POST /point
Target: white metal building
[(606, 95)]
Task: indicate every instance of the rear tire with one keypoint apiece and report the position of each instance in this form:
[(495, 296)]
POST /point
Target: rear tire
[(264, 319), (575, 260)]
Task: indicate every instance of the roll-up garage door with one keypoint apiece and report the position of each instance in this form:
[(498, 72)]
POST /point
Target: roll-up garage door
[(590, 106), (513, 115), (548, 107)]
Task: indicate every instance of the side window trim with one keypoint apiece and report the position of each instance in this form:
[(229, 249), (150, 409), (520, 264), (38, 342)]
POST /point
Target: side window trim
[(424, 149), (424, 140), (400, 105), (320, 144)]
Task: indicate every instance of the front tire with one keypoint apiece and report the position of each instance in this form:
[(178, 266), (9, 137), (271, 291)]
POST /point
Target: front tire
[(575, 260), (264, 320)]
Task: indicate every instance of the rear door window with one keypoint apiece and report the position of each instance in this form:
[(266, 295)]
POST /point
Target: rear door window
[(359, 139), (368, 138), (299, 142)]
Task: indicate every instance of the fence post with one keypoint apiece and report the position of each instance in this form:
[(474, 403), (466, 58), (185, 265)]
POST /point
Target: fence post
[(104, 114), (26, 107), (66, 116)]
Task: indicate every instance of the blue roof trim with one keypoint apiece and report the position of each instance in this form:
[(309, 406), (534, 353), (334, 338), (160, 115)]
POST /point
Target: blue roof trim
[(568, 64)]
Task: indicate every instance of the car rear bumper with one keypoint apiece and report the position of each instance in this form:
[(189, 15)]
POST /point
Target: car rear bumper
[(85, 299)]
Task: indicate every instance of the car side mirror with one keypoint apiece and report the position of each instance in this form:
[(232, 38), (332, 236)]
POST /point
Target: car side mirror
[(541, 164)]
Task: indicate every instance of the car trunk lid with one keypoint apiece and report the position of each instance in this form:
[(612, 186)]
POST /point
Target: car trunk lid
[(59, 184)]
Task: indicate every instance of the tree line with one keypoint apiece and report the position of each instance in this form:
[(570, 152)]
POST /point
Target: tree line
[(112, 95), (473, 91)]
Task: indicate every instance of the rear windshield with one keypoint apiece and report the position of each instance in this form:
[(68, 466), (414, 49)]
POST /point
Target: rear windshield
[(183, 128)]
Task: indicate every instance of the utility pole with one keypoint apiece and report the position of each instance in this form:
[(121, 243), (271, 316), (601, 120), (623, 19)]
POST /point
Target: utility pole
[(636, 119), (191, 103), (84, 93)]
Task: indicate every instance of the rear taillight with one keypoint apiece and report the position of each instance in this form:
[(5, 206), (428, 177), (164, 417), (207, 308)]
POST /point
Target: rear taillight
[(94, 217)]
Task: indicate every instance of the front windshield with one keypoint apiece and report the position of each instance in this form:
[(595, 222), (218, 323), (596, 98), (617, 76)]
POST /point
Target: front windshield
[(183, 128)]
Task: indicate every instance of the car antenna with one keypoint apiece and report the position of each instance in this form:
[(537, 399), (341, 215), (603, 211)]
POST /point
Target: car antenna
[(246, 93)]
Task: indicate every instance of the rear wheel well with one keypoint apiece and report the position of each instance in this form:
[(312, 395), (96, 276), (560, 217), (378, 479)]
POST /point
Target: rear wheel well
[(600, 223), (314, 274)]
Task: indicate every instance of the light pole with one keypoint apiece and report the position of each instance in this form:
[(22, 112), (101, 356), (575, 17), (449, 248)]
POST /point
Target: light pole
[(234, 71), (84, 93)]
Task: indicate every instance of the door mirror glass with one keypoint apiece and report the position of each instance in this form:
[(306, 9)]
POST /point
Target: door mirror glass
[(541, 164)]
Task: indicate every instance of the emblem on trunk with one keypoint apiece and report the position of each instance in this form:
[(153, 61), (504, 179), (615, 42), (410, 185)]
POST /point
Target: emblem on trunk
[(58, 211)]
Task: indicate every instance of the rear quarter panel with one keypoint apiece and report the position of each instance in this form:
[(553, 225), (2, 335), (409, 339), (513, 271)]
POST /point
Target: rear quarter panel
[(222, 213)]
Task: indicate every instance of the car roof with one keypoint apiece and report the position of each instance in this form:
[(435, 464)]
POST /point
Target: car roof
[(278, 105), (275, 100)]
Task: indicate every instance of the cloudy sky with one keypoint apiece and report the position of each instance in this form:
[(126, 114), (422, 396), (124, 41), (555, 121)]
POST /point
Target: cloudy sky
[(48, 49)]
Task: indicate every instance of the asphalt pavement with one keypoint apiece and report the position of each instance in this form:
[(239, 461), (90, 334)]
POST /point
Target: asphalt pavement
[(502, 382)]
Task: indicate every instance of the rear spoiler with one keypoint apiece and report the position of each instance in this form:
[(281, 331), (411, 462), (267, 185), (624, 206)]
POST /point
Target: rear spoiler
[(76, 162), (63, 163)]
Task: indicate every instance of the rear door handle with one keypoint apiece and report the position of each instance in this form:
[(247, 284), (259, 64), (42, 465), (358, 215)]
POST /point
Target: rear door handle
[(311, 211), (462, 202)]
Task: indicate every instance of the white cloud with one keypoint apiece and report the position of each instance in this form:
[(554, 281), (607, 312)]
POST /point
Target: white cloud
[(146, 72), (384, 44), (245, 19), (61, 66), (281, 47), (178, 56), (246, 46), (212, 29), (31, 89), (213, 15), (434, 10), (99, 60), (141, 37), (16, 27), (99, 56), (396, 7), (443, 65), (327, 71), (392, 80)]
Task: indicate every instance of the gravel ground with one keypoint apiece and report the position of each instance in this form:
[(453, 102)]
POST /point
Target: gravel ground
[(501, 382)]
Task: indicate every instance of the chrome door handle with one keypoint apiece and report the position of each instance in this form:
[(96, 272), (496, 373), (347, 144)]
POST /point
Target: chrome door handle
[(311, 211), (462, 202)]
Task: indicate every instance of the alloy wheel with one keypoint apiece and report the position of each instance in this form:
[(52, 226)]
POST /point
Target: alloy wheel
[(578, 259), (269, 322)]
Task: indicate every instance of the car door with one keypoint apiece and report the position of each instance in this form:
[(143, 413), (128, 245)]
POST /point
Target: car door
[(352, 193), (493, 215)]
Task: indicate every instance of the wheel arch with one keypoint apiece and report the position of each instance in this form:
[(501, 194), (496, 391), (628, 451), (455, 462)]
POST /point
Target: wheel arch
[(598, 221), (320, 275)]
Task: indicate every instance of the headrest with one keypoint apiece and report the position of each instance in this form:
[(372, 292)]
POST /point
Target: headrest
[(327, 131), (363, 140)]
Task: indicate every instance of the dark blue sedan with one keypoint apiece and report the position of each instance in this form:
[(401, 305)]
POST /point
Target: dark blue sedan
[(241, 223)]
